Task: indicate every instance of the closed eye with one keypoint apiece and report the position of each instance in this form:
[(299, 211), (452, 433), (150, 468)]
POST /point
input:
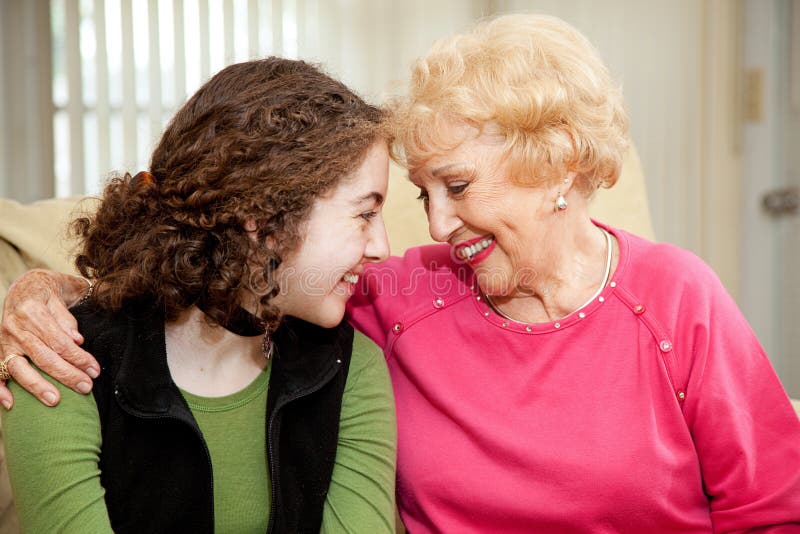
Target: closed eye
[(457, 189)]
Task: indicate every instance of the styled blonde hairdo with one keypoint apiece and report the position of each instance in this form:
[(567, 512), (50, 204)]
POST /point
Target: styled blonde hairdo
[(533, 80)]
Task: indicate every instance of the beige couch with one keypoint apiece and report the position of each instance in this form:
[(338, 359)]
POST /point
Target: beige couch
[(34, 235)]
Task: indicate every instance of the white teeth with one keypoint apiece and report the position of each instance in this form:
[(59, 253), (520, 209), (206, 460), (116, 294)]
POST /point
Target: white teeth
[(350, 278), (468, 252)]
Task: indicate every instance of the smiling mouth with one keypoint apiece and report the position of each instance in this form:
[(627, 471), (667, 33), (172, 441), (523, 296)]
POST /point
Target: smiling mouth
[(468, 252), (350, 278)]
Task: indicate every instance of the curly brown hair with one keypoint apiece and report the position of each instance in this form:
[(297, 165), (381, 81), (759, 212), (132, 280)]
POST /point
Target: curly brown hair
[(258, 142)]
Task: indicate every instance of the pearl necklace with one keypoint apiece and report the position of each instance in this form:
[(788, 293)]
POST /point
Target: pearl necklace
[(606, 276)]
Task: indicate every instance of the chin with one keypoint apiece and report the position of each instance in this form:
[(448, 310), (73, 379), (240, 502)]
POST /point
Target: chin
[(329, 323), (326, 318)]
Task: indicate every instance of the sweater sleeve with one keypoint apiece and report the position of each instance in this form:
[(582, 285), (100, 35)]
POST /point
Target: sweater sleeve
[(399, 286), (364, 307), (53, 456), (361, 495), (745, 430)]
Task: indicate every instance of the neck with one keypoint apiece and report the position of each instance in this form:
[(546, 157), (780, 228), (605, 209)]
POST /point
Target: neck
[(570, 269), (210, 360)]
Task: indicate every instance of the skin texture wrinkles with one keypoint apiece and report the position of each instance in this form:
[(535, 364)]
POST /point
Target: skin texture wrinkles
[(469, 194)]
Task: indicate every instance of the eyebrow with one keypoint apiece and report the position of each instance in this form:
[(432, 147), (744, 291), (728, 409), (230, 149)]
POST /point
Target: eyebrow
[(374, 195), (443, 168)]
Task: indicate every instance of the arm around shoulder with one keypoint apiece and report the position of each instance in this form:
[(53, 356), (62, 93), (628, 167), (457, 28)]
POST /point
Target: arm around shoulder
[(37, 323)]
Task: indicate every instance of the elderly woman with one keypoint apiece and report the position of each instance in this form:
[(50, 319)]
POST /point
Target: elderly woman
[(551, 374)]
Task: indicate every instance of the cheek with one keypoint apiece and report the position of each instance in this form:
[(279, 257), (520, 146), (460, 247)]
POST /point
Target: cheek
[(485, 210), (517, 213), (286, 279), (337, 256)]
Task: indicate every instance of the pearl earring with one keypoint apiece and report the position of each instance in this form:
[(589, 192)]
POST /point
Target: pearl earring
[(561, 202)]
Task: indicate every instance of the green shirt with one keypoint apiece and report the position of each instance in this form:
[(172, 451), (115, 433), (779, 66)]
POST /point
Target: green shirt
[(233, 429), (53, 456)]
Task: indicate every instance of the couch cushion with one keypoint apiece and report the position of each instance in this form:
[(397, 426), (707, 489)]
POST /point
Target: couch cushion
[(39, 230)]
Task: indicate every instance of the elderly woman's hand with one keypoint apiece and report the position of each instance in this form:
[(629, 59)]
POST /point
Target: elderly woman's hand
[(37, 324)]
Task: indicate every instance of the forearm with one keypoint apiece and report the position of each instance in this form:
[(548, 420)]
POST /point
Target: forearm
[(744, 429), (361, 495)]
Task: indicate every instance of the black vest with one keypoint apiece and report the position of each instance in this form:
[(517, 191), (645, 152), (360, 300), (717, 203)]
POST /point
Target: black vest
[(155, 467)]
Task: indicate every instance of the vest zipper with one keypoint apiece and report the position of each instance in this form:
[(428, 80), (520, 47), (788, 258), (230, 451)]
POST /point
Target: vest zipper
[(273, 466)]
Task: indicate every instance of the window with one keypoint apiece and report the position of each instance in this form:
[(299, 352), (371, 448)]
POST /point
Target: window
[(122, 67)]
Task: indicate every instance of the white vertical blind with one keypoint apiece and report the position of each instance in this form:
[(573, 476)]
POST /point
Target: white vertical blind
[(300, 28), (142, 60), (128, 64), (179, 50), (252, 29), (227, 25), (154, 63), (103, 110), (75, 102), (205, 48), (277, 28)]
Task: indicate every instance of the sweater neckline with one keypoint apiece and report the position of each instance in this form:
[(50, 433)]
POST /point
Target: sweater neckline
[(231, 401), (575, 318)]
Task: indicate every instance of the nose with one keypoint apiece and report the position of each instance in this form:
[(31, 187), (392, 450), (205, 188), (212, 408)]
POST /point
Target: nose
[(442, 220), (378, 243)]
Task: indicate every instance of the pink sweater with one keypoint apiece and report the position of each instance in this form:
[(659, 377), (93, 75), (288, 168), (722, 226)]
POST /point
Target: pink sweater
[(655, 409)]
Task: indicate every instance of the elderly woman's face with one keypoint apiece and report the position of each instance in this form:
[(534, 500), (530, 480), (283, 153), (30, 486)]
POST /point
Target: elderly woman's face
[(493, 224)]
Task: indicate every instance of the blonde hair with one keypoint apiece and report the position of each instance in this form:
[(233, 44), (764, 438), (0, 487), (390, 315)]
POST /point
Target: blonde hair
[(535, 81)]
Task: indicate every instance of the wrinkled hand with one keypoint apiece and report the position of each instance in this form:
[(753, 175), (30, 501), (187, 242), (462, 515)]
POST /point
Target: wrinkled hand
[(36, 323)]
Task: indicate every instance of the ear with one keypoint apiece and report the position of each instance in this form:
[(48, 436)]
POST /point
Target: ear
[(566, 183), (563, 184)]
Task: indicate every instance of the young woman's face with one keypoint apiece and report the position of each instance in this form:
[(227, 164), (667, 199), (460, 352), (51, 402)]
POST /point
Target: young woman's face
[(345, 230)]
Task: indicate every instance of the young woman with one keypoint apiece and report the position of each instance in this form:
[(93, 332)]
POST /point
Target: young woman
[(233, 398)]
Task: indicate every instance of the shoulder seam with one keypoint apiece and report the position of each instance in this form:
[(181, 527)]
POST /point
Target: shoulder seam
[(662, 339), (412, 317)]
